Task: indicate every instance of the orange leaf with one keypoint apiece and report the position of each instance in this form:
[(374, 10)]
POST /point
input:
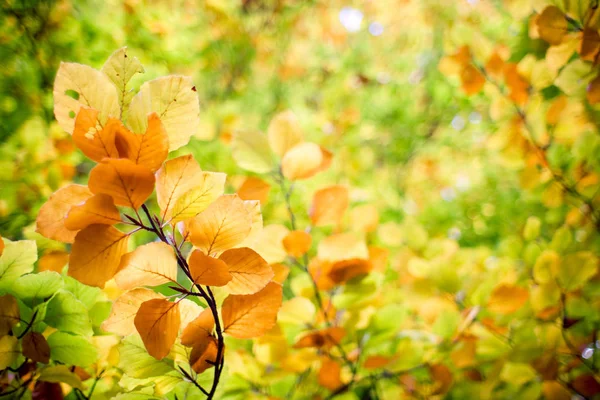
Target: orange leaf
[(200, 328), (96, 254), (53, 261), (518, 86), (302, 161), (223, 225), (124, 310), (590, 44), (250, 272), (374, 362), (98, 209), (593, 91), (297, 243), (127, 183), (495, 65), (94, 140), (326, 338), (506, 299), (442, 376), (552, 25), (330, 374), (36, 347), (343, 271), (51, 217), (157, 322), (149, 149), (472, 80), (175, 178), (254, 189), (204, 354), (329, 205), (207, 270), (250, 316), (149, 265), (281, 272)]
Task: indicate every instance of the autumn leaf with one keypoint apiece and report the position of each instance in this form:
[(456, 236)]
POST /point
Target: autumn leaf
[(53, 261), (127, 183), (343, 271), (175, 178), (254, 189), (208, 187), (78, 85), (552, 25), (151, 264), (284, 132), (329, 205), (149, 149), (207, 270), (98, 209), (326, 338), (302, 161), (200, 328), (157, 322), (590, 44), (36, 347), (96, 254), (249, 316), (175, 100), (251, 151), (223, 225), (472, 80), (124, 309), (330, 374), (250, 272), (297, 243), (120, 68), (204, 354), (93, 139), (9, 313), (50, 221), (506, 299)]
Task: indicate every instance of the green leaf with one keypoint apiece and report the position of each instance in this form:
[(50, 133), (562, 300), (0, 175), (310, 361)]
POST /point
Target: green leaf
[(9, 351), (61, 374), (68, 314), (71, 349), (251, 151), (17, 259), (33, 288), (88, 295), (135, 361), (100, 312)]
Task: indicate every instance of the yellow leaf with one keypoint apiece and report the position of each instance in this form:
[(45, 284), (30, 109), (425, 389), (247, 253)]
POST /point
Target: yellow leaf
[(98, 209), (552, 25), (253, 208), (284, 132), (297, 243), (254, 189), (250, 272), (302, 161), (223, 225), (200, 328), (124, 310), (330, 374), (329, 205), (175, 100), (9, 313), (364, 218), (249, 316), (96, 254), (206, 270), (175, 178), (120, 68), (506, 299), (208, 187), (251, 151), (78, 85), (546, 266), (127, 183), (149, 265), (149, 149), (9, 351), (93, 139), (269, 243), (342, 246), (51, 217), (157, 322), (298, 311)]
